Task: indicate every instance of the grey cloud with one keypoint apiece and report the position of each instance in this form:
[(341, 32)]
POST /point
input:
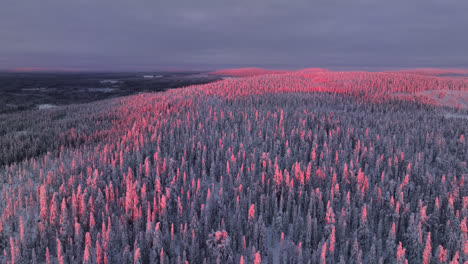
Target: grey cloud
[(158, 34)]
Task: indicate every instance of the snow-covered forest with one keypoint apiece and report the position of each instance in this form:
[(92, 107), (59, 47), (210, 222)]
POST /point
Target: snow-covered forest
[(298, 167)]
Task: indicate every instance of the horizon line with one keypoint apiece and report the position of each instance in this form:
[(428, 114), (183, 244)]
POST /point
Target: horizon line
[(334, 68)]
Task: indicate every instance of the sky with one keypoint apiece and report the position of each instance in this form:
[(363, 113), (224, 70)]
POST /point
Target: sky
[(121, 35)]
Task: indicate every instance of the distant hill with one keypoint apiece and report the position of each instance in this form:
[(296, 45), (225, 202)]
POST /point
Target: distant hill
[(313, 70), (246, 72)]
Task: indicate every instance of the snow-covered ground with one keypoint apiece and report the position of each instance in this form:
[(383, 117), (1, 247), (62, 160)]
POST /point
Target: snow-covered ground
[(46, 106), (37, 89), (447, 98), (104, 90), (450, 98), (110, 81), (455, 115)]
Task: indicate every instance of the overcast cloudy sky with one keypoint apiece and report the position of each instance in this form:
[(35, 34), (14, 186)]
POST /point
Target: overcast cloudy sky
[(209, 34)]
